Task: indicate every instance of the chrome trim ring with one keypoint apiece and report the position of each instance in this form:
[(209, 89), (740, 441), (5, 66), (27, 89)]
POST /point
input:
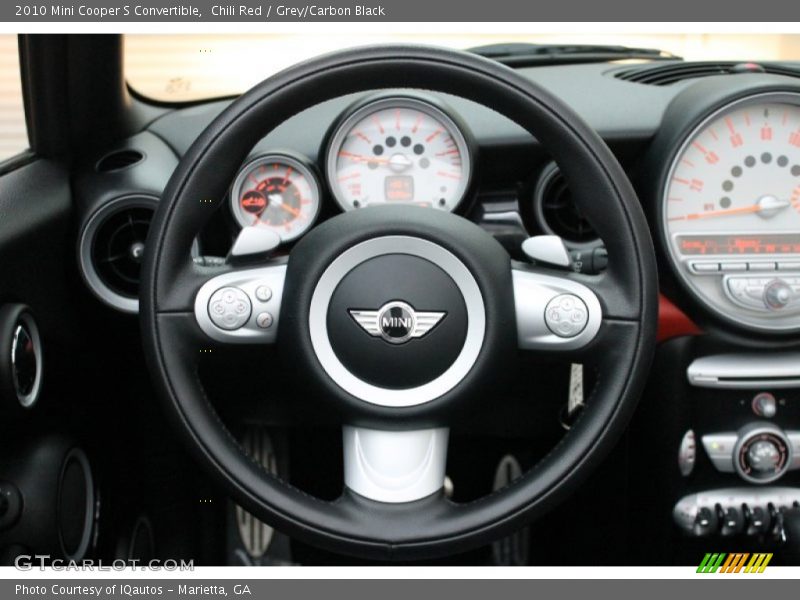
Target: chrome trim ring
[(27, 323), (444, 259)]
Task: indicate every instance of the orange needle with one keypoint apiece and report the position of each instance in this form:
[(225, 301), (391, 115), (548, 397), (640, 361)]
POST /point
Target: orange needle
[(743, 210), (361, 158), (290, 210)]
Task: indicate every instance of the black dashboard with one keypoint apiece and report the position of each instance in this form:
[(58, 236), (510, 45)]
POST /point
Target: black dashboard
[(514, 190), (509, 183)]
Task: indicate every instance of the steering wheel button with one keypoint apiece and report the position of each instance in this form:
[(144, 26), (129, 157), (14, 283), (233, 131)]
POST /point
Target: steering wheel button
[(263, 293), (264, 320), (229, 308), (566, 315)]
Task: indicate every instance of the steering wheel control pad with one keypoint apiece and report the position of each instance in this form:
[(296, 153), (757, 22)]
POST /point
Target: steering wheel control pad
[(398, 307), (397, 321)]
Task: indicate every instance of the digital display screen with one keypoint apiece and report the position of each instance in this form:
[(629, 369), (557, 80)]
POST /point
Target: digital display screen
[(399, 188), (757, 244)]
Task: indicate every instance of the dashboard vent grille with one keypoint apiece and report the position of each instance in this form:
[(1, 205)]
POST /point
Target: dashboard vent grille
[(118, 248), (556, 212), (111, 250), (667, 74), (118, 160)]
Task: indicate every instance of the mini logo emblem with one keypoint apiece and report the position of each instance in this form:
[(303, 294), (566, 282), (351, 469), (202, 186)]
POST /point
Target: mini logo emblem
[(397, 322)]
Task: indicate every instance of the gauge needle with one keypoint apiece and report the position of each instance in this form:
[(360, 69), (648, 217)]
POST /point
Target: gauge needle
[(277, 200), (767, 206), (362, 158)]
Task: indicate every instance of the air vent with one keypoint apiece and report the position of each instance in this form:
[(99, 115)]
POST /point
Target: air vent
[(556, 212), (118, 160), (667, 74), (111, 250)]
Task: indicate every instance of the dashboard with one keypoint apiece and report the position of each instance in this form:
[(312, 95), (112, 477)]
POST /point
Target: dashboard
[(715, 160)]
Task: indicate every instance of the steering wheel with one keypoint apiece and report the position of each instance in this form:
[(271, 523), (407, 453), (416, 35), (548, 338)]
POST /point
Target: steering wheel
[(460, 310)]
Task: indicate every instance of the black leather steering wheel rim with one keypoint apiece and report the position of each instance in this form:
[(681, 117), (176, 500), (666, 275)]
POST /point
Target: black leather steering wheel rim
[(431, 526)]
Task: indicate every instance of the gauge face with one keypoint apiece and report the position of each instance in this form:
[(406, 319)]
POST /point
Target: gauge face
[(398, 150), (731, 212), (277, 191)]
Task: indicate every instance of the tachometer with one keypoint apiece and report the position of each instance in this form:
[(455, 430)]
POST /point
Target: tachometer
[(398, 150), (279, 191), (731, 211)]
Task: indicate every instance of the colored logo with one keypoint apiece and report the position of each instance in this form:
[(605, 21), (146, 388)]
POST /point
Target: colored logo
[(737, 562)]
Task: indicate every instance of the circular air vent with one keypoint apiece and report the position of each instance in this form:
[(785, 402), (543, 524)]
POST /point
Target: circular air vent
[(111, 250), (118, 160), (556, 213)]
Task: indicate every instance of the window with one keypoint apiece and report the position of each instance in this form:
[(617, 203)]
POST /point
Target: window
[(179, 68), (13, 134)]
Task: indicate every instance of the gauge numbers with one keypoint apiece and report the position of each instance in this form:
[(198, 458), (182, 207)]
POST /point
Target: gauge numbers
[(741, 172)]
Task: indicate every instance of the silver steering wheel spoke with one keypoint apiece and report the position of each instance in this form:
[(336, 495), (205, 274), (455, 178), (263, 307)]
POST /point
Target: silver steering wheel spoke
[(553, 312), (394, 466), (242, 306)]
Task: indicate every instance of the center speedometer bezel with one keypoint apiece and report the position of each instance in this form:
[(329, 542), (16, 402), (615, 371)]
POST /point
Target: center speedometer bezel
[(424, 103), (730, 313)]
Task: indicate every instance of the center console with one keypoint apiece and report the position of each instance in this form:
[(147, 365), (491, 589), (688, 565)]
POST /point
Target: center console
[(724, 429)]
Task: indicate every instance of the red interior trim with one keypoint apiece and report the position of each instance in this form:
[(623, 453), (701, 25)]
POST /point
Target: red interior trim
[(673, 322)]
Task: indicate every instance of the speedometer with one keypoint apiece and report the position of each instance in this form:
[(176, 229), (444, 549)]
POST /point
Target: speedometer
[(731, 211), (398, 150)]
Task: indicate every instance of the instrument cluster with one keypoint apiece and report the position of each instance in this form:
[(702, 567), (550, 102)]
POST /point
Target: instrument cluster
[(729, 204), (388, 149)]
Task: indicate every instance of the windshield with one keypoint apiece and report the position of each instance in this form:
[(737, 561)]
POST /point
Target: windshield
[(183, 68)]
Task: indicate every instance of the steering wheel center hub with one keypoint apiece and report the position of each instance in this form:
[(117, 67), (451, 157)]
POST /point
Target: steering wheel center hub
[(397, 320)]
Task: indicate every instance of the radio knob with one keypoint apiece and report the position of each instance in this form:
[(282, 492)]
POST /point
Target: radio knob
[(762, 454), (777, 294)]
